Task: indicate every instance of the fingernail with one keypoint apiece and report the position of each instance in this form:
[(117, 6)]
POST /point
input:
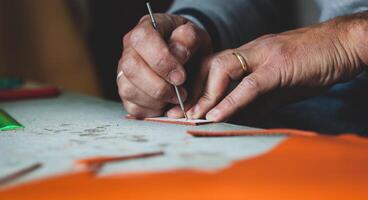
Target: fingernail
[(170, 114), (179, 51), (196, 112), (213, 115), (176, 77), (190, 115), (173, 113)]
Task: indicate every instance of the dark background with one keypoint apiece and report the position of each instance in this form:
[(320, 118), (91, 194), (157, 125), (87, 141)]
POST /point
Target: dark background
[(111, 21)]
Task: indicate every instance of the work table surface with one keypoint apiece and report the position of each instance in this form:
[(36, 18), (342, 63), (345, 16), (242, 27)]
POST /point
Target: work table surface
[(60, 130)]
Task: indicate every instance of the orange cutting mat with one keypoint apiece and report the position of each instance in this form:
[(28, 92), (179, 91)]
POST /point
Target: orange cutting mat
[(318, 167)]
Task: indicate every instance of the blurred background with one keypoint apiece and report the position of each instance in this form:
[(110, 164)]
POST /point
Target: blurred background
[(76, 44)]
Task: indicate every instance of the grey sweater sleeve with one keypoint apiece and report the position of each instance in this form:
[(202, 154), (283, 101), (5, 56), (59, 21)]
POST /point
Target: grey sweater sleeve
[(331, 9), (235, 21), (238, 21)]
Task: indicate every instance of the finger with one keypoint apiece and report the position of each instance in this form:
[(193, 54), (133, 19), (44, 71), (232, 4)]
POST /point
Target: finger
[(129, 92), (177, 112), (166, 23), (142, 77), (186, 40), (248, 90), (150, 45), (216, 68), (223, 68), (195, 91), (139, 111)]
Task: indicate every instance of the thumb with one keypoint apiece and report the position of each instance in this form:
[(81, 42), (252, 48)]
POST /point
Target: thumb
[(186, 40)]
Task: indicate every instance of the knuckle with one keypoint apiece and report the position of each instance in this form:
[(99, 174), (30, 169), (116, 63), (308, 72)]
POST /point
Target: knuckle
[(216, 62), (206, 96), (128, 66), (250, 82), (210, 97), (230, 101), (144, 18), (126, 38), (126, 92), (138, 34), (219, 62)]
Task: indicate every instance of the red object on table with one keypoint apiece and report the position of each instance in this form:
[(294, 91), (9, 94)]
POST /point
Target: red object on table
[(28, 93)]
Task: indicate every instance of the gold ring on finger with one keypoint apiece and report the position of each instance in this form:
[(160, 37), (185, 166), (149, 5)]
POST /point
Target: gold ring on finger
[(119, 75), (242, 60)]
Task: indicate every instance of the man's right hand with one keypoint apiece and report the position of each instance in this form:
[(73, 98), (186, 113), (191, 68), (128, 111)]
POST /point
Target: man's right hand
[(153, 60)]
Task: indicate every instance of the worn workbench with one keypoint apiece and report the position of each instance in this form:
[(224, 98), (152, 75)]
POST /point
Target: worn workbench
[(60, 130)]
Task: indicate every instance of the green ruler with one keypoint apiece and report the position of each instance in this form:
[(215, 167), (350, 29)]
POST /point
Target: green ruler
[(7, 122)]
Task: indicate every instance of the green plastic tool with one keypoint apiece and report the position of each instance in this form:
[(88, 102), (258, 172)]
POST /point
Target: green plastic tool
[(10, 82), (7, 122)]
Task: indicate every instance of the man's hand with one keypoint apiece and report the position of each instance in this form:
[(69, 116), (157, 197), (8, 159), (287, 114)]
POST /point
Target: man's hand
[(153, 60), (312, 57)]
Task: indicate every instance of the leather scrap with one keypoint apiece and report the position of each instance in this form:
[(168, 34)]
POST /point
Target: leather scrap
[(256, 132), (181, 121)]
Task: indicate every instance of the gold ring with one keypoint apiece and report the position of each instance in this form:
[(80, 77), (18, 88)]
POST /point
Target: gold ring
[(119, 75), (242, 61)]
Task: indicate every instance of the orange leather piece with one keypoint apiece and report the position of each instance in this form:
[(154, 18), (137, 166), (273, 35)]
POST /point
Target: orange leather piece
[(19, 173), (234, 133), (178, 121), (101, 160), (171, 121), (317, 167)]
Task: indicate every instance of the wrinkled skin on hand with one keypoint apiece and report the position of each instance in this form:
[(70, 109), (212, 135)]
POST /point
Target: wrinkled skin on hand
[(153, 61), (305, 59)]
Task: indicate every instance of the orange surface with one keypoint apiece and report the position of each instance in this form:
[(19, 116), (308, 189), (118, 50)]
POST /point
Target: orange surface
[(236, 133), (317, 167)]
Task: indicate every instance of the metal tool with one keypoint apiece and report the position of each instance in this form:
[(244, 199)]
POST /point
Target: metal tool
[(154, 24)]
